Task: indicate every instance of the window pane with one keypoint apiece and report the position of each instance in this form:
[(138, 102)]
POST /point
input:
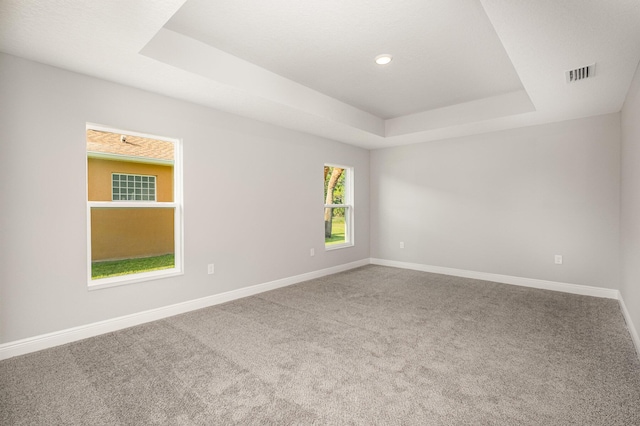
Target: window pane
[(138, 189), (131, 240), (334, 185), (138, 185), (335, 225)]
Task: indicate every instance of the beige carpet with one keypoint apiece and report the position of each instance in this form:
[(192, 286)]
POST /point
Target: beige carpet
[(374, 345)]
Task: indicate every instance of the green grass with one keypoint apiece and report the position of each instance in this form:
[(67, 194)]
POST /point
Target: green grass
[(114, 268), (337, 232)]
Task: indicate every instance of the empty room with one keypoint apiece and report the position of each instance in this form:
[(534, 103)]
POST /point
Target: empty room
[(420, 212)]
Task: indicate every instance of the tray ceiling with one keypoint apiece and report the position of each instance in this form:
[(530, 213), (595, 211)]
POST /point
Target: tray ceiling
[(459, 66)]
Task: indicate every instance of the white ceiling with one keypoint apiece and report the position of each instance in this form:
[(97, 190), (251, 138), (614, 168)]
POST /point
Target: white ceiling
[(460, 66), (445, 51)]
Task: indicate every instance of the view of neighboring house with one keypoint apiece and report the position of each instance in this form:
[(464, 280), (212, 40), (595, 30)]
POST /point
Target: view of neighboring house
[(131, 169)]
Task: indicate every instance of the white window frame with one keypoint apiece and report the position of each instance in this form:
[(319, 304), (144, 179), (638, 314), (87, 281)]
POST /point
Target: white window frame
[(176, 205), (348, 208)]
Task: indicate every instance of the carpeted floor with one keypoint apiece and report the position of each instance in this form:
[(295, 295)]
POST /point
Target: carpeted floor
[(374, 345)]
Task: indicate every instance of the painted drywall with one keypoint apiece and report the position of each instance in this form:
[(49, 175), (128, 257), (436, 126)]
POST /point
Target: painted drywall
[(252, 199), (630, 211), (505, 202)]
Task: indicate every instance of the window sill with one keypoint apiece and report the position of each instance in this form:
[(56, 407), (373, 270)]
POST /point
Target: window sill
[(337, 246), (102, 283)]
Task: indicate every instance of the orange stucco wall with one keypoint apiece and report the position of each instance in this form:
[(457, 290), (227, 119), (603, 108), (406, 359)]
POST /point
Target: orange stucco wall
[(129, 233), (99, 177)]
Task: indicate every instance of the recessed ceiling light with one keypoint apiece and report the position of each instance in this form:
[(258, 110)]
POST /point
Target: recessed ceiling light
[(383, 59)]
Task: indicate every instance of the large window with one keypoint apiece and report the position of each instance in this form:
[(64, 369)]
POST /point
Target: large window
[(338, 206), (134, 208)]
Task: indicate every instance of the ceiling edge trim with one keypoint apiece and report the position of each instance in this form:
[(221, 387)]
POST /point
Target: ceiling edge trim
[(512, 103), (199, 58)]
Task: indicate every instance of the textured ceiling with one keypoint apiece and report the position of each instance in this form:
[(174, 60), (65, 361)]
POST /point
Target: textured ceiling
[(461, 66)]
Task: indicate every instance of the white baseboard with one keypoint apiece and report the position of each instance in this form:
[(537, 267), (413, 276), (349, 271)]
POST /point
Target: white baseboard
[(505, 279), (44, 341), (630, 326)]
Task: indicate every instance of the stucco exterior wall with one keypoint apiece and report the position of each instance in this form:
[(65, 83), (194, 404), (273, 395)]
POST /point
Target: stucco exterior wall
[(129, 233), (99, 177)]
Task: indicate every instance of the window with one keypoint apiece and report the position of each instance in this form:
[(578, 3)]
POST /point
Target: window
[(134, 208), (133, 187), (338, 206)]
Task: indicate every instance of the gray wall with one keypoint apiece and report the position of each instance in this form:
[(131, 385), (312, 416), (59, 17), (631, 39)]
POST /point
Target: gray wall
[(252, 199), (502, 203), (630, 226), (505, 202)]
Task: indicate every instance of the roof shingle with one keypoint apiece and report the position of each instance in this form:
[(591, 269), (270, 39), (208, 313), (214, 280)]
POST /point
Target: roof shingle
[(134, 146)]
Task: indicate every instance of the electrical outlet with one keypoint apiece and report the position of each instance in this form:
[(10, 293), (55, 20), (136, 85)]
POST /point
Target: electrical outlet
[(312, 252), (210, 269), (558, 259), (401, 244)]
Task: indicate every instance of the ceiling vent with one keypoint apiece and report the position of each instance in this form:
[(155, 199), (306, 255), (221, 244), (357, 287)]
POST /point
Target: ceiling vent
[(581, 73)]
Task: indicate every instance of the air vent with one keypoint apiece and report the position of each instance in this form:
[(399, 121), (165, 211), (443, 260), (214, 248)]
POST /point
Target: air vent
[(581, 73)]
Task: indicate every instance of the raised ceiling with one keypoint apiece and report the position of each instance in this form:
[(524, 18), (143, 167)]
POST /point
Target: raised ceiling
[(460, 66), (445, 51)]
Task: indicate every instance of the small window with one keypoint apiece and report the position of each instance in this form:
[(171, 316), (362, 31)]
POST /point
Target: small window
[(338, 206), (132, 187), (134, 208)]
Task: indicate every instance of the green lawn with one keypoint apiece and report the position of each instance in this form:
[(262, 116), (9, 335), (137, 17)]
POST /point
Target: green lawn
[(337, 232), (113, 268)]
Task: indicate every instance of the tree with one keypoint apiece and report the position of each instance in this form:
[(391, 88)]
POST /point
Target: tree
[(333, 180)]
